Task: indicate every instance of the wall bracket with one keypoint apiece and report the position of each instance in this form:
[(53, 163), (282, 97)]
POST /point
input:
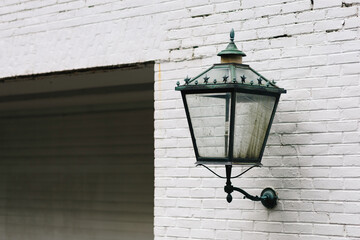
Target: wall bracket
[(268, 196)]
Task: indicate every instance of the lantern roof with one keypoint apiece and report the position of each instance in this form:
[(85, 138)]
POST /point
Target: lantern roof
[(230, 75)]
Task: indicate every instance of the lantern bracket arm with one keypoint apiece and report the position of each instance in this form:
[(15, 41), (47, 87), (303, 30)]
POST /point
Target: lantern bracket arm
[(249, 196), (229, 189), (219, 176), (268, 196)]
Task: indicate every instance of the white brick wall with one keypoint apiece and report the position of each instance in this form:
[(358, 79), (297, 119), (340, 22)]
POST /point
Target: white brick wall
[(312, 156)]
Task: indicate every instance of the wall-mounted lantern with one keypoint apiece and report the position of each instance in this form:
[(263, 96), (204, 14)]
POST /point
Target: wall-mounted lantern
[(230, 108)]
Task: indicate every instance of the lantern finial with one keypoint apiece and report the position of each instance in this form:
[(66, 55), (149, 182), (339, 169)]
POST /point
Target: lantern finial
[(231, 54), (232, 35)]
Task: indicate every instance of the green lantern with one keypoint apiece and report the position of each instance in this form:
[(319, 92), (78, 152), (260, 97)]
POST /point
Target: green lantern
[(230, 108)]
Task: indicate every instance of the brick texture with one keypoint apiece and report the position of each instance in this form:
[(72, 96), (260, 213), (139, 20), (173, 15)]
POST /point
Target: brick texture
[(310, 47)]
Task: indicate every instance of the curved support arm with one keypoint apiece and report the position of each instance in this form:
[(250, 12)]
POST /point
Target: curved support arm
[(268, 196), (247, 195), (229, 189)]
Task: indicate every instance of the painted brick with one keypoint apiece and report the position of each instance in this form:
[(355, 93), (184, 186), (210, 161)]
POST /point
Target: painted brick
[(254, 235), (312, 61), (202, 233), (343, 103), (351, 68), (341, 36), (280, 19), (328, 207), (284, 216), (327, 3), (348, 46), (341, 12), (326, 183), (283, 43), (236, 224), (326, 49), (295, 73), (329, 230), (299, 28), (298, 228), (351, 113), (338, 195), (312, 156), (297, 6), (311, 39), (201, 10), (349, 80), (351, 137), (268, 226), (268, 10), (342, 126), (177, 232), (351, 57), (214, 224), (312, 16), (188, 203), (255, 23), (321, 161), (352, 22), (353, 231), (329, 25), (314, 217), (271, 32), (227, 6), (284, 236), (344, 218), (350, 160), (344, 149)]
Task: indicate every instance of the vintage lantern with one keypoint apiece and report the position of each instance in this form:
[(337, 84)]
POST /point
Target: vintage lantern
[(230, 108)]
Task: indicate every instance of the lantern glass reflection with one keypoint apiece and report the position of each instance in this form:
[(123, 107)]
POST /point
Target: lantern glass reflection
[(252, 117), (210, 116)]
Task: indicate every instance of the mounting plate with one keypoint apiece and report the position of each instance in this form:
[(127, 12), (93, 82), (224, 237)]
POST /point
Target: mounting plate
[(269, 198)]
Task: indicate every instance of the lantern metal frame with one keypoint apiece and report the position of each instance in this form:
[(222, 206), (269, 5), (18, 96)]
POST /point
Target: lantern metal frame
[(232, 61), (232, 87)]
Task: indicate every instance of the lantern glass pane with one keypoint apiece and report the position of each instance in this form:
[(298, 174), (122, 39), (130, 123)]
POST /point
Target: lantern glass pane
[(217, 74), (252, 117), (248, 73), (210, 117)]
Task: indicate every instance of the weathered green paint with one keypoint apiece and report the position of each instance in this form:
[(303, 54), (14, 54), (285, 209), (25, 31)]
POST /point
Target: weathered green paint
[(231, 48), (203, 84)]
